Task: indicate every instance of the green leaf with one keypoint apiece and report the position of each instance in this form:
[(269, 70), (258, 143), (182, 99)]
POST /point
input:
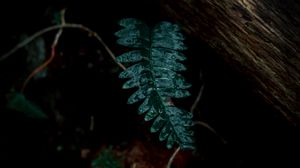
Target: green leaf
[(133, 70), (143, 79), (136, 32), (131, 23), (18, 102), (139, 95), (132, 56), (167, 35), (174, 83), (107, 159), (152, 113), (174, 93), (167, 53), (164, 83), (171, 140), (165, 132), (133, 42), (174, 66), (181, 122), (166, 29), (36, 55), (145, 106), (169, 43), (158, 123), (180, 83)]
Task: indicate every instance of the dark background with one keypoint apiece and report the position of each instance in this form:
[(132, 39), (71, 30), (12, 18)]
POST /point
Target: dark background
[(83, 82)]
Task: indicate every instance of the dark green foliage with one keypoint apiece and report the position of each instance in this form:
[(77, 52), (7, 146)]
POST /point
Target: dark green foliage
[(17, 101), (154, 67), (36, 55), (107, 159)]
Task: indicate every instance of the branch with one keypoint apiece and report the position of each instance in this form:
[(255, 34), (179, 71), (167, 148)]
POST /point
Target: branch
[(195, 104), (53, 46), (172, 158), (204, 124), (55, 27)]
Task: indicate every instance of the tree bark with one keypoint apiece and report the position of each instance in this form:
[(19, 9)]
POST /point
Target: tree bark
[(260, 39)]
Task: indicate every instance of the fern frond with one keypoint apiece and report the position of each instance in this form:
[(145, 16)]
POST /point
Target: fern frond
[(154, 71)]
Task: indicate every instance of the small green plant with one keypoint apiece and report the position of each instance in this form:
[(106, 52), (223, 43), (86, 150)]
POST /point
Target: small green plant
[(18, 102), (107, 159), (154, 67)]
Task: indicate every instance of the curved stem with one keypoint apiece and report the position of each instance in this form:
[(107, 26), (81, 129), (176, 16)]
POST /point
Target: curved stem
[(203, 124), (55, 27), (172, 158), (197, 99), (45, 64)]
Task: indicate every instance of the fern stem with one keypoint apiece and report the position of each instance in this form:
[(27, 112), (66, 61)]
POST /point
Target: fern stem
[(153, 75), (162, 100)]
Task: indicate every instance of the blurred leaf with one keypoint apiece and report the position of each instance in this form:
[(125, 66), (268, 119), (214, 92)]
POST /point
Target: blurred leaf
[(107, 159), (36, 55), (18, 102)]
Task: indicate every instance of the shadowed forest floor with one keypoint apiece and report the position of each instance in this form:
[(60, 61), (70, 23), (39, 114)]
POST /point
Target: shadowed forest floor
[(87, 115)]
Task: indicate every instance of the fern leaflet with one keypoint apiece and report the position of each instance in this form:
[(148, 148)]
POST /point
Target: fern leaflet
[(155, 63)]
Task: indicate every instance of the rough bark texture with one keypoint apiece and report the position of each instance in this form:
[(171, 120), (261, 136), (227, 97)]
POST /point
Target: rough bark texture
[(260, 39)]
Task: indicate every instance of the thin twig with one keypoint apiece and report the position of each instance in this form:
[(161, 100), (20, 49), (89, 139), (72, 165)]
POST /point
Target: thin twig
[(197, 99), (204, 124), (92, 123), (133, 165), (53, 47), (66, 25), (201, 123), (173, 157), (199, 96)]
